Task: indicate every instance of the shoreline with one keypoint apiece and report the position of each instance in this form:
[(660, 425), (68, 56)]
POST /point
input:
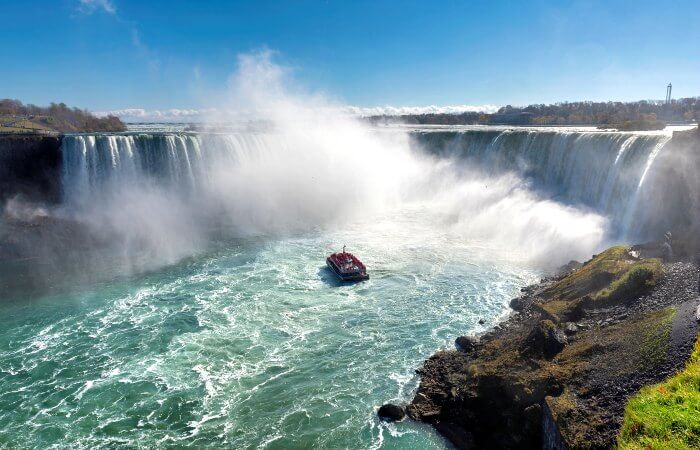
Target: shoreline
[(512, 387)]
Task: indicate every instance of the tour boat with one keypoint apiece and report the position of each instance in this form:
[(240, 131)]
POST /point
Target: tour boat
[(347, 267)]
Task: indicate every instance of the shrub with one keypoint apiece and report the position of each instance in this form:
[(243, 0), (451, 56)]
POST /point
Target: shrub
[(639, 279)]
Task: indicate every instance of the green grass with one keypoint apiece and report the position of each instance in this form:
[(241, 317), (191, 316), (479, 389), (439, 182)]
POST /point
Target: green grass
[(594, 275), (653, 339), (611, 277), (639, 278), (665, 415)]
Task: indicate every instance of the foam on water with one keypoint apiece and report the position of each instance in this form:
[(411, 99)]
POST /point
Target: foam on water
[(252, 345)]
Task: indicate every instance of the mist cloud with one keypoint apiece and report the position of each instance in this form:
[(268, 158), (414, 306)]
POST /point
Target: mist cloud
[(314, 165), (204, 114)]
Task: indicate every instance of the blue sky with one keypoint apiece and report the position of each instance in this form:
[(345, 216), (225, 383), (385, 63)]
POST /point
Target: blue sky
[(114, 54)]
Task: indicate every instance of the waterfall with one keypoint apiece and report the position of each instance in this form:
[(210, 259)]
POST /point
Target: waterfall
[(603, 171), (93, 161), (255, 182), (175, 162)]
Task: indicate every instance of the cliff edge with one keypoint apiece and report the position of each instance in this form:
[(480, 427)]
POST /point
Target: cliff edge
[(30, 166), (559, 372)]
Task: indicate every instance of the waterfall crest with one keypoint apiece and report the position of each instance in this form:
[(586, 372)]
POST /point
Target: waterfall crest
[(520, 187), (604, 171)]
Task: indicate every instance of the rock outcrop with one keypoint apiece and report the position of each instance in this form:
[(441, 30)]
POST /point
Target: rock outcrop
[(546, 339), (559, 371), (466, 344), (30, 167)]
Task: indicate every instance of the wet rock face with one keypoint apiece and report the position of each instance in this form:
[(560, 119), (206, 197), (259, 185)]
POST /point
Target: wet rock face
[(391, 413), (466, 344), (30, 166), (522, 303), (64, 247), (551, 438)]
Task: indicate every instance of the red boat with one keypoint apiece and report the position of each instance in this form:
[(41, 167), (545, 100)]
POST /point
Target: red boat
[(347, 266)]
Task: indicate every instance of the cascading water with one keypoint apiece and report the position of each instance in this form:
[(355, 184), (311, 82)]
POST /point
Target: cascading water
[(599, 170), (604, 171), (249, 342), (226, 330), (90, 163), (262, 182), (252, 182)]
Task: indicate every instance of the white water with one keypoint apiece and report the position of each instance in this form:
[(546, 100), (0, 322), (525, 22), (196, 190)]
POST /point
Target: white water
[(547, 196), (170, 193), (544, 195), (603, 171), (251, 344)]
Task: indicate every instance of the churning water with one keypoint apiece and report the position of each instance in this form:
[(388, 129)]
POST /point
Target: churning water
[(251, 345)]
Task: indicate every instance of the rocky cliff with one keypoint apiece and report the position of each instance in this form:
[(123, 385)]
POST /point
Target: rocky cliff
[(30, 166), (559, 371)]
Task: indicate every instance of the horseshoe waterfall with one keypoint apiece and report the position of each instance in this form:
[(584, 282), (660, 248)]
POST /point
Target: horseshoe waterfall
[(180, 296)]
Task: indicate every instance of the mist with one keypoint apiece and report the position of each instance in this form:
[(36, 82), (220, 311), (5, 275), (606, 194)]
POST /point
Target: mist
[(137, 203), (312, 168)]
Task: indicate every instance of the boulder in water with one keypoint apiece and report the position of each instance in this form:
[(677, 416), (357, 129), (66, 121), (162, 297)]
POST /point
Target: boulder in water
[(391, 413)]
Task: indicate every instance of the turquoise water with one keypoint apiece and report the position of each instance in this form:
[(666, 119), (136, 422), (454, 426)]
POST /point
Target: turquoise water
[(251, 344)]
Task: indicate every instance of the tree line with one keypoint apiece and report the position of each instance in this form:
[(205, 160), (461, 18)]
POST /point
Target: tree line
[(643, 113), (59, 117)]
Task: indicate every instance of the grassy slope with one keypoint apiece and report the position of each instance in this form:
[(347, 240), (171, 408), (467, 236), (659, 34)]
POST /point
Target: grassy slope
[(608, 278), (21, 126), (666, 415), (592, 276), (638, 278), (510, 374), (617, 351)]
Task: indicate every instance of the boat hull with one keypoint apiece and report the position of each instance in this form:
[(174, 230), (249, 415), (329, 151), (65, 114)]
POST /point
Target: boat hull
[(346, 276)]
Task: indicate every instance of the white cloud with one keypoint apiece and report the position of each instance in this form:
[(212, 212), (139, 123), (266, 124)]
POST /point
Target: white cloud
[(156, 115), (430, 109), (90, 6), (199, 115)]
